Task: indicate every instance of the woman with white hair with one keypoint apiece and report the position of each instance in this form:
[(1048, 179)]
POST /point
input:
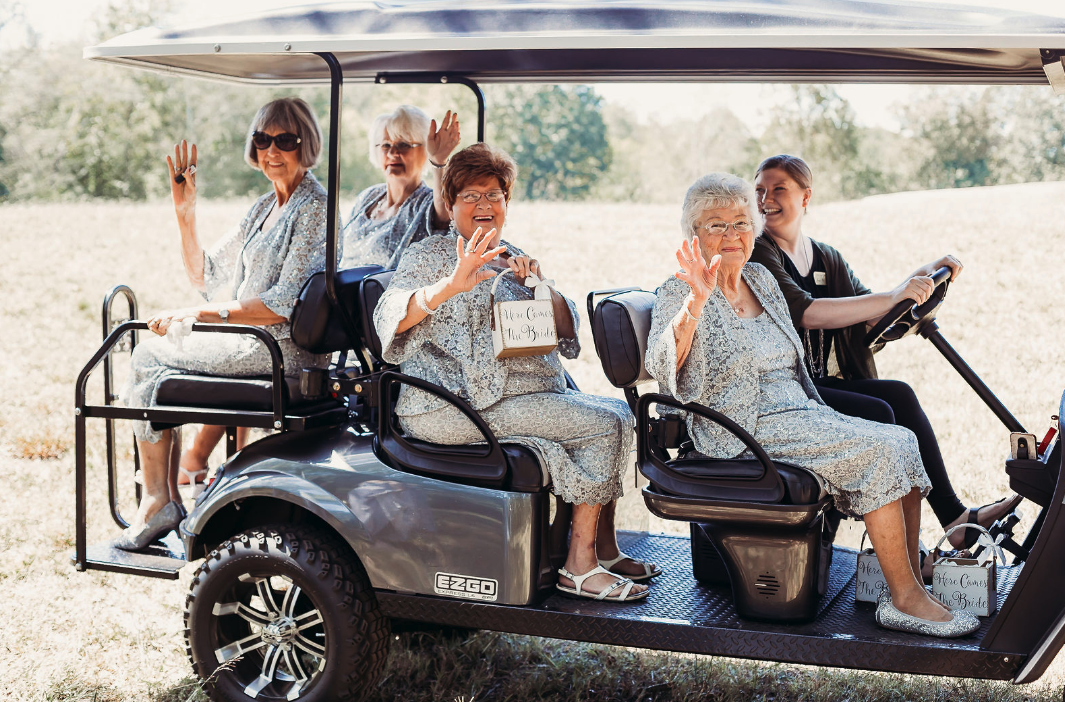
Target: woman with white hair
[(721, 336), (252, 276), (390, 216)]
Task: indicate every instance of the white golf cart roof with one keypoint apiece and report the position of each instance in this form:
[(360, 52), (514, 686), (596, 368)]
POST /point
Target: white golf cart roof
[(612, 40)]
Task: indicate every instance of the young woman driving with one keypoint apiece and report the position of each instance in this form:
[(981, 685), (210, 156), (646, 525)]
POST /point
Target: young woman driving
[(830, 309)]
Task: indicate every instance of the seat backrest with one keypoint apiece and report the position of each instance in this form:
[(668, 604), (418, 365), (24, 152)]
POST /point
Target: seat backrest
[(316, 325), (620, 326), (371, 289)]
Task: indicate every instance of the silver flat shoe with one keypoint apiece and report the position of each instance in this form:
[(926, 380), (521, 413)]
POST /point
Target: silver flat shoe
[(162, 522), (962, 624)]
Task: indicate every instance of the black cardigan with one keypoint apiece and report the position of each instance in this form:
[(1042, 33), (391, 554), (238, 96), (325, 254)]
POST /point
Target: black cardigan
[(855, 358)]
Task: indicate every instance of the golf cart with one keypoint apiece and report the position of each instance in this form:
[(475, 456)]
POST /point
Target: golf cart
[(313, 538)]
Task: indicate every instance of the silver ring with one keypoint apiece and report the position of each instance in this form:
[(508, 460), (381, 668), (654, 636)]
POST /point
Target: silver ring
[(690, 260)]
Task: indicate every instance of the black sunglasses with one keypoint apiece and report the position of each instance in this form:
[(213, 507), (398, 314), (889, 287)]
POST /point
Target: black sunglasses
[(285, 142)]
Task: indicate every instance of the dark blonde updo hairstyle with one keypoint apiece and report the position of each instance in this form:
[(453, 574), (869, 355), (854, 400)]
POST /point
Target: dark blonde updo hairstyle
[(477, 162), (794, 166), (292, 115)]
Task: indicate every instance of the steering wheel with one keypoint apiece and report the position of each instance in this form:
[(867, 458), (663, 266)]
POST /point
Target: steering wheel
[(907, 317)]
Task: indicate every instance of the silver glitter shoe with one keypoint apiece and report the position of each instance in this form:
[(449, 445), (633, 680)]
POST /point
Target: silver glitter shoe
[(962, 624), (162, 522)]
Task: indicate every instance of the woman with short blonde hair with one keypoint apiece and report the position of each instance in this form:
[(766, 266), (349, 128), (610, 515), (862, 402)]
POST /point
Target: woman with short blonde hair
[(390, 216)]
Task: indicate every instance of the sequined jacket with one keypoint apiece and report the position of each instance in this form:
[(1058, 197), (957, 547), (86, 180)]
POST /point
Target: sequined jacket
[(272, 264), (366, 242), (453, 346), (721, 371)]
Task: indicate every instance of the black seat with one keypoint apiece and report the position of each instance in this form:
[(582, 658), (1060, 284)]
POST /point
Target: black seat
[(253, 394), (756, 523), (500, 466), (316, 326)]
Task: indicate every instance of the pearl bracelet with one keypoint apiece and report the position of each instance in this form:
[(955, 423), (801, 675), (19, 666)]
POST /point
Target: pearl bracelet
[(421, 301), (688, 312)]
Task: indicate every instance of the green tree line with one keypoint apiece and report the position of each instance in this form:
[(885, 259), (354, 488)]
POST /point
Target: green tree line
[(71, 129)]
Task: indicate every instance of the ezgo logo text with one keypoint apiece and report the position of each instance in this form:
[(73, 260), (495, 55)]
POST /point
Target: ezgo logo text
[(467, 587)]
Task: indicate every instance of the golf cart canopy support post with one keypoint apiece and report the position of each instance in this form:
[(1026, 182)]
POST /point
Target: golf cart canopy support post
[(443, 79)]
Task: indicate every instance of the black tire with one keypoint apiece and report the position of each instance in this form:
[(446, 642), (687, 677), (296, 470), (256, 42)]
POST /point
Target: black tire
[(327, 635)]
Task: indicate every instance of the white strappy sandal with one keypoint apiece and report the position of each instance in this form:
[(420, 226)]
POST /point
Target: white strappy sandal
[(648, 571), (626, 594)]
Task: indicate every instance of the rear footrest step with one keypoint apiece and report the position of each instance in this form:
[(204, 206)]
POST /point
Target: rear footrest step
[(163, 559)]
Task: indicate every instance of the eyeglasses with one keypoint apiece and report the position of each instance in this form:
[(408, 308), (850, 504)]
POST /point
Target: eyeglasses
[(471, 197), (400, 147), (717, 228), (285, 142)]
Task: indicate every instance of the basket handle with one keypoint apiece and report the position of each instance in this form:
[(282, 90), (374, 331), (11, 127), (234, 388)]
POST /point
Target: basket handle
[(988, 542)]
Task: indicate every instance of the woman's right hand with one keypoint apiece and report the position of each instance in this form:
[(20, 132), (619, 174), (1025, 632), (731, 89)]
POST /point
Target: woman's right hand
[(472, 255), (184, 193), (918, 288), (442, 142), (702, 279)]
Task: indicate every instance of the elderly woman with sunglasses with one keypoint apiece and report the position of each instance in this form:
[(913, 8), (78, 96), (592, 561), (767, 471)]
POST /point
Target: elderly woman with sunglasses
[(390, 216), (252, 276), (435, 320), (721, 335)]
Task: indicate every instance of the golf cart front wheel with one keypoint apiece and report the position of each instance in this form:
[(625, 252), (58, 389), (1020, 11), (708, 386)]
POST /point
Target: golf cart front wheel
[(284, 613)]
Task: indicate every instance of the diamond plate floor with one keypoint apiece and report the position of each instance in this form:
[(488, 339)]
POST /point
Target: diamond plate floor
[(682, 615)]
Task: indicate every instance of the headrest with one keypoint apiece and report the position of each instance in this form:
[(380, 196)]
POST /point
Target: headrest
[(620, 325), (370, 291), (316, 326)]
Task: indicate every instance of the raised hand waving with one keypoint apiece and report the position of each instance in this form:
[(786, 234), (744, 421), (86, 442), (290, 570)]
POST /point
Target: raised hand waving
[(702, 279), (472, 255), (442, 142)]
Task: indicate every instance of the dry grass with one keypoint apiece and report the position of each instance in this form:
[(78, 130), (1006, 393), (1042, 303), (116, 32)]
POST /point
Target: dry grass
[(70, 636)]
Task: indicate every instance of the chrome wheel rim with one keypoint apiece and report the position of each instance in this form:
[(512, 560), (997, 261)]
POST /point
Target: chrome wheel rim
[(271, 636)]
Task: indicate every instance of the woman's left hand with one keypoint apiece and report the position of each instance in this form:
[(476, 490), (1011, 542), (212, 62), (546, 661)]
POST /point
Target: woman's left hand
[(949, 261), (523, 267), (161, 321), (442, 142)]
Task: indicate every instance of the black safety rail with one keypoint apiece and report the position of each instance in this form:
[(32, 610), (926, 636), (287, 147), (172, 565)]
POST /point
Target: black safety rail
[(160, 561)]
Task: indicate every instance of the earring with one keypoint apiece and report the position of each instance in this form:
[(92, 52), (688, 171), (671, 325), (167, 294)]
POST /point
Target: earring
[(452, 229)]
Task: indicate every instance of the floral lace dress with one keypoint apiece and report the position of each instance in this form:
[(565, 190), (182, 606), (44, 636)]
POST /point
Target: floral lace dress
[(367, 242), (583, 440), (272, 265), (752, 371)]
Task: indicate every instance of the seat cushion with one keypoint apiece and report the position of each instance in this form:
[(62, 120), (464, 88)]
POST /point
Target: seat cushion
[(524, 472), (620, 325), (732, 480), (214, 392), (316, 325), (370, 291)]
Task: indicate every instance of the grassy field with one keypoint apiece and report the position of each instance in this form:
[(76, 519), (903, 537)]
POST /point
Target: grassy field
[(96, 636)]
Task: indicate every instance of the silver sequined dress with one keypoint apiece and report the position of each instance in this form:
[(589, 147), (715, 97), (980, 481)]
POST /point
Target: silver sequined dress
[(381, 242), (583, 440), (751, 370), (272, 265)]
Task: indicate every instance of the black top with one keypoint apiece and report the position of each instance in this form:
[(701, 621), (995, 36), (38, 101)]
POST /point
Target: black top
[(854, 358), (818, 342)]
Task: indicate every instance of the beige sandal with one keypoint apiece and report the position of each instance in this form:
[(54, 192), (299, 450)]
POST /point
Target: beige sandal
[(650, 570), (625, 584)]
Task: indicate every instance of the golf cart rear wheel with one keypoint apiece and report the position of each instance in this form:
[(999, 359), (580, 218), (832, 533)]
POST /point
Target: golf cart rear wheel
[(284, 613)]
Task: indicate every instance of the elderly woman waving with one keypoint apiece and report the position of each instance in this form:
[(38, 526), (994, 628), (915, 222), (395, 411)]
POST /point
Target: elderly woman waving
[(434, 319), (390, 216), (721, 335), (252, 277)]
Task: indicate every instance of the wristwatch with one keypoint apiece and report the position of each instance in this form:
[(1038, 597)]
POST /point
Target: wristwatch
[(224, 315)]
